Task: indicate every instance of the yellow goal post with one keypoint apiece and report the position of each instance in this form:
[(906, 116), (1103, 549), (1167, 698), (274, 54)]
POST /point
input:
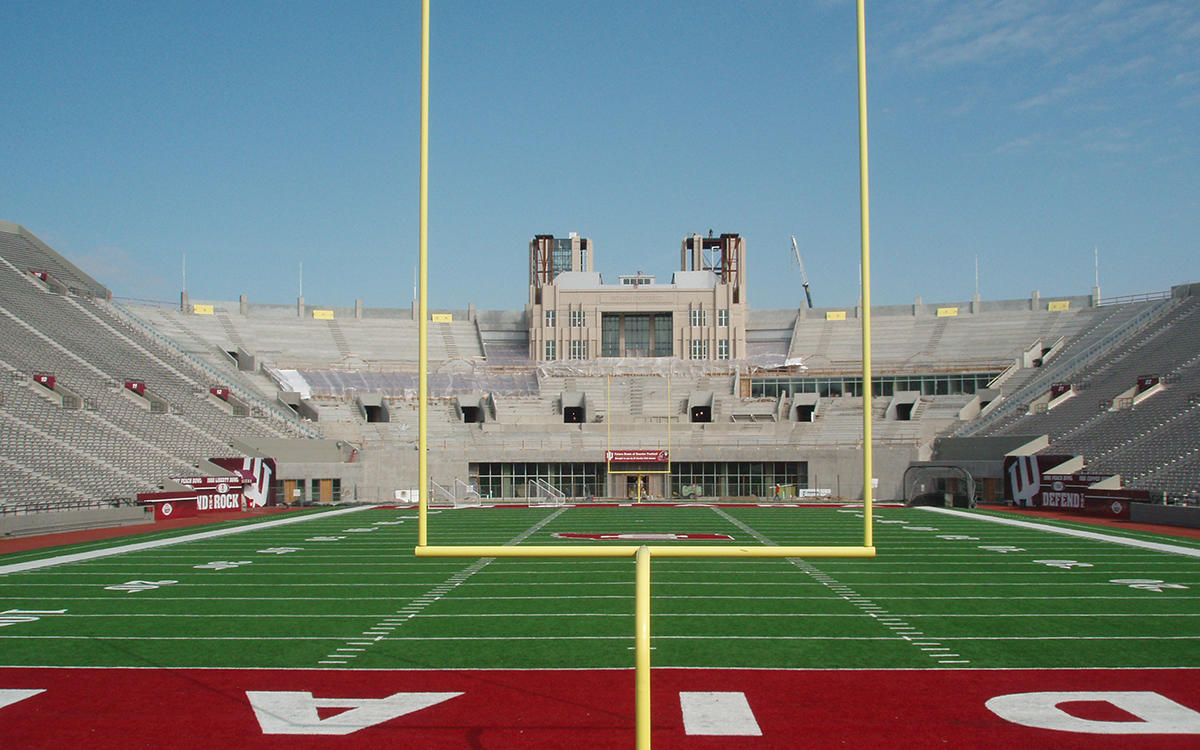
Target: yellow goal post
[(642, 554)]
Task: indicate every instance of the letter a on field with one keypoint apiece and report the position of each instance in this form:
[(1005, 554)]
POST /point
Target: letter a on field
[(294, 712)]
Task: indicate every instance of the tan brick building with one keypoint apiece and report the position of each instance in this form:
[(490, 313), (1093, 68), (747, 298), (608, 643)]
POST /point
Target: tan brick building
[(700, 314)]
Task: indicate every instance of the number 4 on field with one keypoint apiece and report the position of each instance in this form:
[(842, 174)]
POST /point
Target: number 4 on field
[(1064, 564)]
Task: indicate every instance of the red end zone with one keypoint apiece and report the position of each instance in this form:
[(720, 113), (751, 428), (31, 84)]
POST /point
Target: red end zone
[(694, 709)]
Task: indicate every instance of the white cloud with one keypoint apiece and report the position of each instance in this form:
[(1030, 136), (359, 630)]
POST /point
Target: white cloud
[(117, 269), (951, 33), (1020, 145)]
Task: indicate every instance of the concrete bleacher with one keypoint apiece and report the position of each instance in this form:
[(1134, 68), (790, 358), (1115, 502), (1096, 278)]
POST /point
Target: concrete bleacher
[(1108, 327), (290, 337), (28, 253), (111, 444), (900, 339), (1151, 440)]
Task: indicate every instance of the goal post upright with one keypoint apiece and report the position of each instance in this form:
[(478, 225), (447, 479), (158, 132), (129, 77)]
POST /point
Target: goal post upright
[(423, 305), (865, 229), (641, 648)]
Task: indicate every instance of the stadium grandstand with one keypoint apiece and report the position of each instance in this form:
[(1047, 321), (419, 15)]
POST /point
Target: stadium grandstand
[(694, 395)]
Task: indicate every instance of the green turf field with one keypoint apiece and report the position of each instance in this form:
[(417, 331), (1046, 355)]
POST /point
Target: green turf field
[(341, 591)]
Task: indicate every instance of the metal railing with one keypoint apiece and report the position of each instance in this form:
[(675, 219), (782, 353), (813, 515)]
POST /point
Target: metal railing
[(539, 493)]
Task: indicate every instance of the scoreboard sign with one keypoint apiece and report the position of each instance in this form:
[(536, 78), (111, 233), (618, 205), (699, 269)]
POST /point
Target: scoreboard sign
[(637, 456)]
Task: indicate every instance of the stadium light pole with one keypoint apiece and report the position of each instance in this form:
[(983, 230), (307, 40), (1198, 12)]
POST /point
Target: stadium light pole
[(865, 218), (423, 293)]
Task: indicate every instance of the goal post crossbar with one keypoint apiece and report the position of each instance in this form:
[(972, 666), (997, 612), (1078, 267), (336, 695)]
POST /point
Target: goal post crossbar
[(626, 550), (642, 556)]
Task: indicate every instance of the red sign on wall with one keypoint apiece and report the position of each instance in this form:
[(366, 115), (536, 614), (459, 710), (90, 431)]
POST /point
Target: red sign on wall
[(46, 381), (637, 456), (256, 474), (137, 386), (1028, 483), (215, 494)]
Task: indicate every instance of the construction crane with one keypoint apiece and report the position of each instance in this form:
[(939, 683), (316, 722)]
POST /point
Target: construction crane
[(803, 275)]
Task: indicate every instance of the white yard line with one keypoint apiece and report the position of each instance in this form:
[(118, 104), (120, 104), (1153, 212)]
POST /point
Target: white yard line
[(548, 637), (138, 546), (866, 607), (1172, 549), (418, 605)]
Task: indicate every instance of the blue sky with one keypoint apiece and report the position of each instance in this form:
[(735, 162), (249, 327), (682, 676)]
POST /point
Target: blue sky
[(255, 136)]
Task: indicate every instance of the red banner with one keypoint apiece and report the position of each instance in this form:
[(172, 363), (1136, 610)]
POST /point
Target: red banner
[(1027, 484), (170, 504)]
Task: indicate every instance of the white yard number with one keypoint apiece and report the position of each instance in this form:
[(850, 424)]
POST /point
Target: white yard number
[(1147, 584), (222, 564), (16, 616), (1064, 564), (133, 587), (1003, 549)]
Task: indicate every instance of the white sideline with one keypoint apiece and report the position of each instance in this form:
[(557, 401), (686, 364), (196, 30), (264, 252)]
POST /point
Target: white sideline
[(139, 546), (1173, 549)]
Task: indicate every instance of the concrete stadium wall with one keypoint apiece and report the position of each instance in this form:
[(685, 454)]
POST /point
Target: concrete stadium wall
[(1167, 515), (28, 524)]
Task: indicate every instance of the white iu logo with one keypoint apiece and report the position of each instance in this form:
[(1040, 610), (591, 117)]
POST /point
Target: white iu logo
[(1026, 479)]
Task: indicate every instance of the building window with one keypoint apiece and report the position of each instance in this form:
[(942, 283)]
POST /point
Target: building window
[(738, 479), (610, 335), (637, 335), (723, 349), (561, 258), (578, 319), (881, 385), (583, 266), (699, 349), (550, 317), (579, 350), (697, 317), (551, 351), (511, 480), (663, 333), (723, 318)]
